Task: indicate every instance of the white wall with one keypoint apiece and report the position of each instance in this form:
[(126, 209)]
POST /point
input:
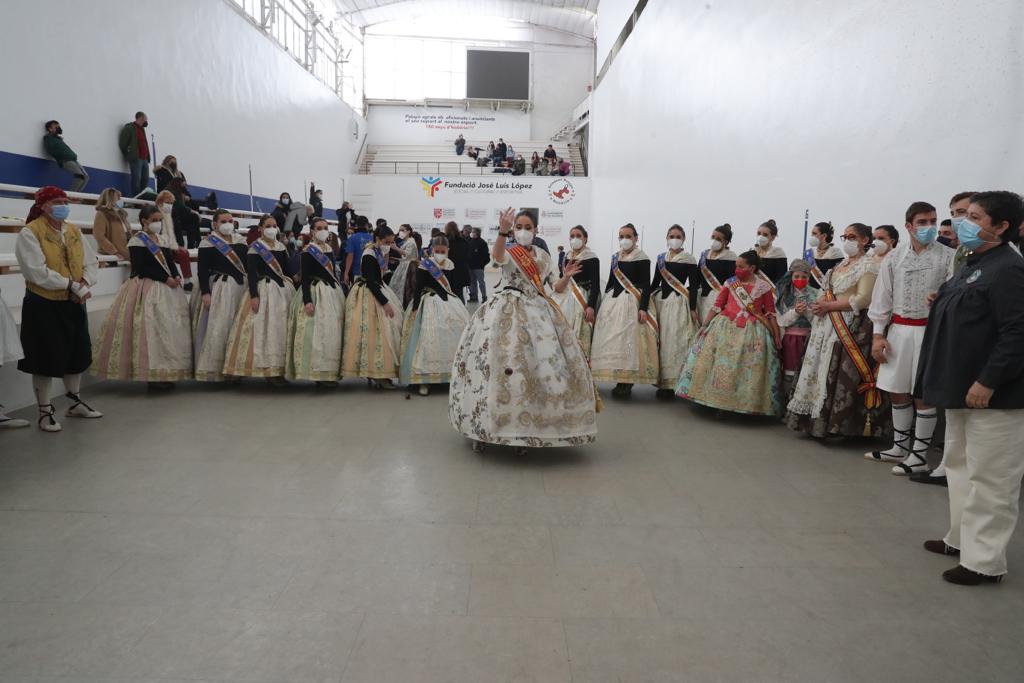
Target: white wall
[(219, 95), (395, 125), (560, 79), (611, 17), (760, 110)]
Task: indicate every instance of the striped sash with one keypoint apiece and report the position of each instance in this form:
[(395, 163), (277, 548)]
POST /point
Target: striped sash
[(631, 288), (268, 257), (671, 279), (225, 250), (154, 249)]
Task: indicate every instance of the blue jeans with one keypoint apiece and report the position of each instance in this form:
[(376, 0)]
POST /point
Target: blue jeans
[(140, 175), (476, 281)]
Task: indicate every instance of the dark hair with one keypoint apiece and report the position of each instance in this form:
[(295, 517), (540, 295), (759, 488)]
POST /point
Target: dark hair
[(678, 227), (177, 186), (418, 239), (529, 214), (406, 226), (282, 195), (581, 229), (752, 259), (362, 224), (383, 232), (139, 113), (220, 212), (263, 219), (891, 231), (381, 221), (960, 196), (451, 230), (827, 230), (439, 241), (947, 221), (46, 126), (147, 211), (1000, 206), (864, 231), (631, 227), (916, 208), (434, 232), (726, 231), (318, 219), (772, 228)]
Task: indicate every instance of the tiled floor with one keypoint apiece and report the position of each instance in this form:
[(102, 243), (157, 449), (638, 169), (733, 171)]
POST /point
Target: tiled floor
[(248, 534)]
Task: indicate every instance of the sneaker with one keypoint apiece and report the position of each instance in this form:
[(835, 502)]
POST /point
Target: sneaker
[(962, 576), (81, 408), (939, 547)]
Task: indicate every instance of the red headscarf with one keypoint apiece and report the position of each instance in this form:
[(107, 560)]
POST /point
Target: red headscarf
[(43, 195)]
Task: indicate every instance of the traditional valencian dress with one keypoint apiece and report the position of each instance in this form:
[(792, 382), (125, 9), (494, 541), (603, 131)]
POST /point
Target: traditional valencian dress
[(403, 279), (221, 275), (733, 364), (714, 269), (146, 335), (520, 377), (372, 344), (625, 350), (314, 341), (675, 321), (822, 261), (774, 264), (835, 391), (433, 326), (583, 291), (257, 345), (10, 343)]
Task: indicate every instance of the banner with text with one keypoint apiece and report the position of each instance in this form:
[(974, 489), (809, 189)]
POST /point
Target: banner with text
[(388, 125)]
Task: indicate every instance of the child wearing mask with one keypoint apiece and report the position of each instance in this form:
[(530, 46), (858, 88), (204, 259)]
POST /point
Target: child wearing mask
[(795, 296)]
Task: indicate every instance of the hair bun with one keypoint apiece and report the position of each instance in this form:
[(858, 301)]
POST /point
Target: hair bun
[(726, 225), (771, 221)]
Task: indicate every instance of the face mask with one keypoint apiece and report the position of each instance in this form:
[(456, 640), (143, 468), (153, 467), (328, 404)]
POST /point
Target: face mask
[(145, 124), (716, 245), (762, 241), (226, 228), (742, 273), (270, 233), (814, 242), (926, 234), (880, 247), (441, 259), (322, 235), (945, 241), (403, 234), (851, 247), (60, 212), (675, 244), (59, 131), (625, 244), (119, 204), (156, 226), (524, 237), (800, 284), (969, 234), (165, 209), (285, 201), (576, 243)]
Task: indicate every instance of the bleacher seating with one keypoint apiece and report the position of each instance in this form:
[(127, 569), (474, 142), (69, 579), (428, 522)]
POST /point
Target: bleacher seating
[(442, 160)]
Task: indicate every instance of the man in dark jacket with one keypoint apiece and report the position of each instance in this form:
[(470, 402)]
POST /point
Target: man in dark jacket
[(135, 149), (479, 257), (458, 252), (316, 200), (65, 157)]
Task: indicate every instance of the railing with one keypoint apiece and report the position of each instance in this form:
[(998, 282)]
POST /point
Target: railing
[(438, 168)]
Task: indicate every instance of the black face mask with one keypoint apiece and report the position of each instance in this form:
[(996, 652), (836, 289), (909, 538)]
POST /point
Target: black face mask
[(58, 131), (145, 123), (944, 241)]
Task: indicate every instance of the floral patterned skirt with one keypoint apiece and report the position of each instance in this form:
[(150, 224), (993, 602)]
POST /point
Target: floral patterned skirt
[(10, 342), (257, 343), (146, 334), (212, 326), (574, 315), (372, 341), (676, 335), (314, 341), (520, 377), (733, 368), (430, 337), (624, 350)]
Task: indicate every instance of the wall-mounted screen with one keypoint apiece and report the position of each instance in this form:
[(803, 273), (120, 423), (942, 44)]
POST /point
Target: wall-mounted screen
[(497, 75)]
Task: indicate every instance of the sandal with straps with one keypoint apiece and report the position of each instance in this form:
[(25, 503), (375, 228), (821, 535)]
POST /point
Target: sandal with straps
[(81, 408), (901, 441), (902, 469), (47, 422)]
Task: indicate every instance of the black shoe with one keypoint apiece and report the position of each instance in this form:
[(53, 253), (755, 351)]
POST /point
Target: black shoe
[(622, 390), (962, 576), (940, 548), (472, 301), (187, 286), (665, 394), (927, 478)]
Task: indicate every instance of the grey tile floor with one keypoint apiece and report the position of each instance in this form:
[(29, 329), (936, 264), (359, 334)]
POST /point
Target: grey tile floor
[(217, 534)]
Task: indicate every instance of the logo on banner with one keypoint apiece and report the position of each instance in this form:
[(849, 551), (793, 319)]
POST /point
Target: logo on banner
[(430, 185), (437, 213), (561, 191), (444, 213)]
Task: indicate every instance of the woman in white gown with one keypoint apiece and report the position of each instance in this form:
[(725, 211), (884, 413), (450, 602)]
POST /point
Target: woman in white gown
[(677, 323), (520, 377), (10, 350), (578, 292), (401, 280), (434, 322)]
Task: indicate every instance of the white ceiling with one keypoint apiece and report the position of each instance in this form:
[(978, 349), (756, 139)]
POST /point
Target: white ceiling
[(572, 16)]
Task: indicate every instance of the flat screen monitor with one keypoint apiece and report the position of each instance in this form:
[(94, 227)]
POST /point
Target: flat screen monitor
[(497, 75)]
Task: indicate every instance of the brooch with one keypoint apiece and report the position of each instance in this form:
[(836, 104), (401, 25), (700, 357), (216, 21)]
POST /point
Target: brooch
[(973, 277)]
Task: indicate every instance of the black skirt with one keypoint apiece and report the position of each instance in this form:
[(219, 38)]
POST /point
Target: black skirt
[(55, 336)]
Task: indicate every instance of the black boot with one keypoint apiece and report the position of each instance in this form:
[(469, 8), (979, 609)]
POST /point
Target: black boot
[(962, 576)]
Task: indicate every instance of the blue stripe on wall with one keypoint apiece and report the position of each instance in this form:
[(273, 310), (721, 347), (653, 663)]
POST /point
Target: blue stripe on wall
[(20, 169)]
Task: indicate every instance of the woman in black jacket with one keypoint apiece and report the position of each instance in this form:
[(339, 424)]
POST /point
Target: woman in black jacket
[(458, 252)]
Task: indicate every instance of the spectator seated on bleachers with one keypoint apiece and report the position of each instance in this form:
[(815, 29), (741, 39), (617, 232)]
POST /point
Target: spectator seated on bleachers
[(460, 144)]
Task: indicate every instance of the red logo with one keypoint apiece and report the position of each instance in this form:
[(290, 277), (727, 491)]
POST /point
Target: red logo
[(438, 213)]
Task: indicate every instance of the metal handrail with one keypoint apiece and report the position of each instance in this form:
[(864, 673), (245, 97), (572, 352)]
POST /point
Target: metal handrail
[(434, 167)]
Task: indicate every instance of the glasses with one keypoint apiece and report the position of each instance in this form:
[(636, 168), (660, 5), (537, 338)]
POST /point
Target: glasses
[(848, 238)]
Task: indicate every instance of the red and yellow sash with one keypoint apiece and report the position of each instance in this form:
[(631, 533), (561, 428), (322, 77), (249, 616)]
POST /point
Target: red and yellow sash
[(743, 296), (872, 396)]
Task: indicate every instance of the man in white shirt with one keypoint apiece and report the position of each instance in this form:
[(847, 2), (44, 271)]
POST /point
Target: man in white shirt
[(900, 302)]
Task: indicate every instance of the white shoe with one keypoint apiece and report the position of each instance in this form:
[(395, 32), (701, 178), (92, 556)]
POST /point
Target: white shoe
[(81, 409), (47, 422), (11, 423), (424, 390), (881, 456)]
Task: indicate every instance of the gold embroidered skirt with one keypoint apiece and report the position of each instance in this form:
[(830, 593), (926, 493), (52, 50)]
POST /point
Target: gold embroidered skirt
[(257, 343), (314, 341), (624, 349), (372, 341)]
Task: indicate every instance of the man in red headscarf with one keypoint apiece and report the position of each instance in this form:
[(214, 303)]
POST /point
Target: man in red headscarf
[(59, 267)]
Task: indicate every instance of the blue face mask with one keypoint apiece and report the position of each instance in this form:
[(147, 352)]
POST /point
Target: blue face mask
[(119, 203), (60, 212), (969, 234), (927, 234)]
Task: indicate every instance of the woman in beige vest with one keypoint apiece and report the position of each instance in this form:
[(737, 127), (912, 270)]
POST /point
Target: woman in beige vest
[(59, 268)]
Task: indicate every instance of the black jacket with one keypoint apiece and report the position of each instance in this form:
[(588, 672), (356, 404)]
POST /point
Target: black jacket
[(458, 252), (479, 253)]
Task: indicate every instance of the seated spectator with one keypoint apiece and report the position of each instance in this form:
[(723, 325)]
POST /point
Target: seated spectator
[(534, 163), (491, 148), (510, 153), (502, 149), (519, 165), (460, 144), (110, 226), (550, 153), (473, 152), (185, 216), (564, 167), (503, 167), (544, 168), (166, 171), (65, 157), (316, 200), (482, 161)]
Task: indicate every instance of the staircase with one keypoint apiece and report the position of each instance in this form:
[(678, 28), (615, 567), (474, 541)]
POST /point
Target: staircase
[(576, 159), (364, 167), (565, 132)]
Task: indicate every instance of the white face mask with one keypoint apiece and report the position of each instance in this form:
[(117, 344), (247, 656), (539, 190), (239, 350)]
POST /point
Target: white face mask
[(441, 258), (156, 227), (270, 233), (880, 247), (625, 244), (524, 237), (165, 209), (403, 234), (226, 228), (322, 235), (851, 247), (716, 245), (814, 242), (675, 244), (576, 244), (762, 240)]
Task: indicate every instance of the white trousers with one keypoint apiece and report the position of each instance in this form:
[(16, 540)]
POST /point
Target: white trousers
[(984, 466), (897, 374)]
